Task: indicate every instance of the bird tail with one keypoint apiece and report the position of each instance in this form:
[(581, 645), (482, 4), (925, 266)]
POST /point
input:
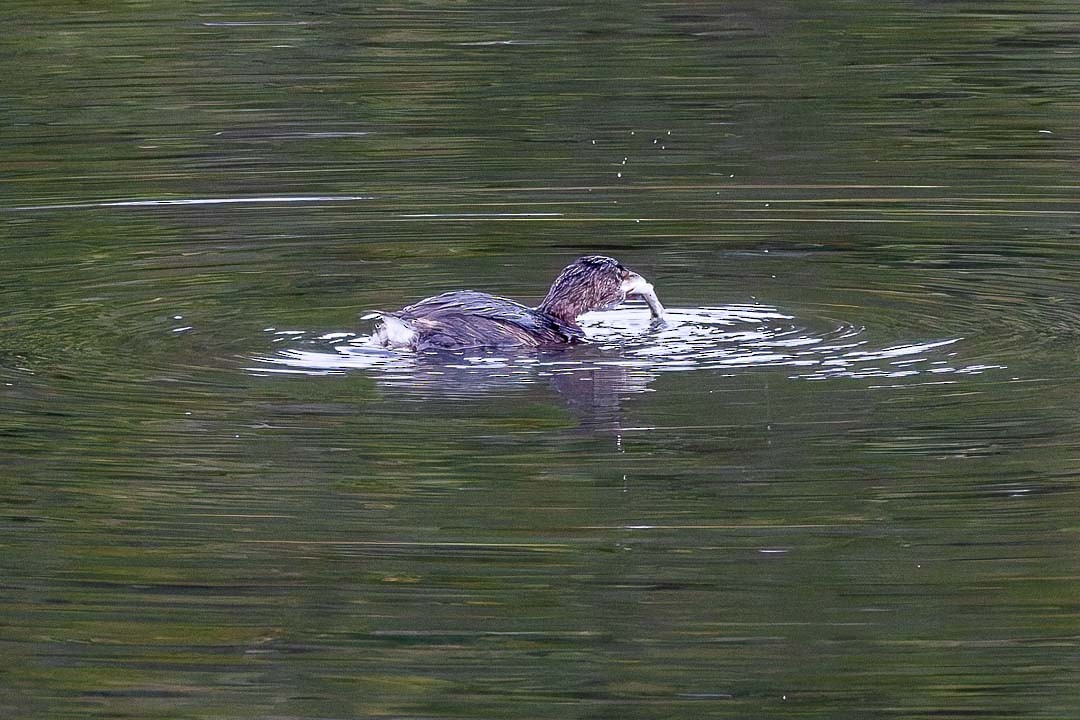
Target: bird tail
[(392, 331)]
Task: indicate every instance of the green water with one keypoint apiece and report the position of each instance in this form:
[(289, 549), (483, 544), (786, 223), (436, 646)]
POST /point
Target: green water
[(844, 483)]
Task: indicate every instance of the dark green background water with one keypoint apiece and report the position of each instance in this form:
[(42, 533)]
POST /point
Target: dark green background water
[(203, 517)]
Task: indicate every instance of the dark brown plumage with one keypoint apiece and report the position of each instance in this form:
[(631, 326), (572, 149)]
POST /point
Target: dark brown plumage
[(470, 319)]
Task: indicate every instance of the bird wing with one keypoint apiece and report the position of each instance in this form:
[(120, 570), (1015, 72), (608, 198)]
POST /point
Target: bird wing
[(466, 318)]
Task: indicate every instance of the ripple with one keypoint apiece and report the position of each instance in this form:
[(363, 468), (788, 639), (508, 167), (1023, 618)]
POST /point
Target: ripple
[(703, 339), (167, 202)]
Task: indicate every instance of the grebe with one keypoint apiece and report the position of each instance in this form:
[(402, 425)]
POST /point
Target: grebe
[(469, 319)]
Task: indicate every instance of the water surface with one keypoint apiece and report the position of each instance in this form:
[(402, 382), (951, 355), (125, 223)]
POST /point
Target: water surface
[(842, 483)]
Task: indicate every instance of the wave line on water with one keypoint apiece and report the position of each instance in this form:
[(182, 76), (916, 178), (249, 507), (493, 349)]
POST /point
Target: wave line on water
[(199, 201), (450, 216), (412, 543), (259, 23)]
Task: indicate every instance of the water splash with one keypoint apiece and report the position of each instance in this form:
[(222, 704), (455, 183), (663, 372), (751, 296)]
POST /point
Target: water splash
[(723, 338)]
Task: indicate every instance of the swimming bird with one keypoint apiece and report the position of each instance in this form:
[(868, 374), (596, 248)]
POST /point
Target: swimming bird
[(464, 319)]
